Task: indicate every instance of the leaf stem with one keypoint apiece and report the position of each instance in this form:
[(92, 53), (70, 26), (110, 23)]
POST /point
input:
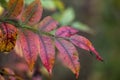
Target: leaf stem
[(18, 24), (11, 21), (41, 32)]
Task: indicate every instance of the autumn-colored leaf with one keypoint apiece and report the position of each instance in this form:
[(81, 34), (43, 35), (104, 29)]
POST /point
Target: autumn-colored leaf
[(66, 31), (47, 52), (48, 24), (8, 36), (85, 44), (29, 43), (15, 7), (33, 13), (68, 55)]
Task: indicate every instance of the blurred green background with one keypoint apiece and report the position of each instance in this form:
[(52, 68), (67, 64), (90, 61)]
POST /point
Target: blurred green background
[(99, 21)]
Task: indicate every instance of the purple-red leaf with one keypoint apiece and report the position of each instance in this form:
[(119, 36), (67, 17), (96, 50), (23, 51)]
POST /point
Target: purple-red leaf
[(68, 55), (85, 44), (15, 7), (29, 43), (66, 31), (8, 36), (48, 24), (47, 52), (33, 13)]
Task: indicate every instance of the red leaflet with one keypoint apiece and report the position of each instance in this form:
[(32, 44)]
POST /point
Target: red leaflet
[(29, 41), (84, 43), (33, 13), (66, 31), (47, 52), (8, 35), (15, 7), (68, 55), (48, 24)]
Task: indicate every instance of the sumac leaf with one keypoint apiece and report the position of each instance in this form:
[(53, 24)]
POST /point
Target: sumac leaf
[(47, 52), (15, 7), (85, 44), (47, 24), (8, 36), (66, 31), (29, 43), (33, 13), (68, 55)]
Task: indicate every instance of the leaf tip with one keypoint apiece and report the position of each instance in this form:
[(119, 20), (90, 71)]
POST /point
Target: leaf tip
[(31, 66), (100, 58), (48, 68), (76, 75)]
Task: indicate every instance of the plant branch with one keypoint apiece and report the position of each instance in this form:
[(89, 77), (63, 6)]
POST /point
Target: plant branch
[(20, 25)]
